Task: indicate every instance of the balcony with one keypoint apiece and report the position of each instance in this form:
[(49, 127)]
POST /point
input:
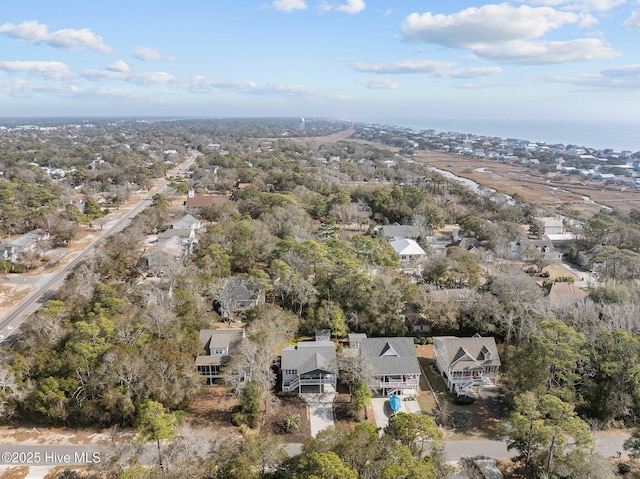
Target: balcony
[(408, 382), (293, 384)]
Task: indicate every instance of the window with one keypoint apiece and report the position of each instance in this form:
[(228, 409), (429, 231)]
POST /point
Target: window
[(290, 372)]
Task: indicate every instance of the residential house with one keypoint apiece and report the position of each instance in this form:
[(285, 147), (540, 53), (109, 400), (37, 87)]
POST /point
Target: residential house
[(8, 253), (217, 345), (168, 251), (408, 249), (393, 364), (239, 295), (198, 202), (22, 244), (417, 322), (468, 365), (460, 295), (186, 222), (526, 249), (162, 258), (402, 231), (355, 338), (473, 246), (587, 260), (553, 225), (186, 237), (309, 366), (564, 295)]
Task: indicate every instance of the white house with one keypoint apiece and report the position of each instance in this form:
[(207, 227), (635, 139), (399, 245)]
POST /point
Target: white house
[(553, 225), (185, 222), (408, 249)]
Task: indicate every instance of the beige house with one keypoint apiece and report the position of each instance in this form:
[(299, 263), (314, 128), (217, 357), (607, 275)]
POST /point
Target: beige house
[(468, 365)]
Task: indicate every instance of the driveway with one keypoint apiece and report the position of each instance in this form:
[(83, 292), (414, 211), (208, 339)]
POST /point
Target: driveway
[(382, 411), (320, 410)]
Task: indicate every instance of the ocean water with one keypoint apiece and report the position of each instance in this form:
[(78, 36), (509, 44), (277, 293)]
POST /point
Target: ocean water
[(617, 135)]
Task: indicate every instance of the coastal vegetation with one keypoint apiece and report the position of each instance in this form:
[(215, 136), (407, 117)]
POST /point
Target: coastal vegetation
[(116, 347)]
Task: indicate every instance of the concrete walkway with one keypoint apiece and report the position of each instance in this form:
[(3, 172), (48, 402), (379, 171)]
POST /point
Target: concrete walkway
[(320, 410), (382, 410)]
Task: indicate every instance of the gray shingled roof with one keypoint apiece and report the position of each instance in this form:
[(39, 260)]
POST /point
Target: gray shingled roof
[(308, 356), (220, 338), (186, 222), (466, 353), (404, 231), (390, 356)]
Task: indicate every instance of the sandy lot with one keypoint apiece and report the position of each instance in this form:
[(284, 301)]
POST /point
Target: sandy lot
[(12, 294)]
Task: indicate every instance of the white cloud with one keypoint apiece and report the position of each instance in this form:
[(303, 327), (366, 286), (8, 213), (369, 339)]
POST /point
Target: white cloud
[(623, 71), (289, 5), (114, 94), (379, 84), (476, 72), (118, 66), (142, 78), (147, 78), (351, 7), (405, 66), (485, 25), (436, 68), (541, 53), (289, 89), (622, 79), (52, 70), (633, 21), (202, 84), (504, 33), (22, 88), (149, 54), (579, 5), (36, 32)]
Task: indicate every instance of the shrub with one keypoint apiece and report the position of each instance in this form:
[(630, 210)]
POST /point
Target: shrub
[(624, 468), (292, 421)]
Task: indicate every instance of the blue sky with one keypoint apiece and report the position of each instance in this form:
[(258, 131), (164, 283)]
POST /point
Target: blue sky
[(350, 59)]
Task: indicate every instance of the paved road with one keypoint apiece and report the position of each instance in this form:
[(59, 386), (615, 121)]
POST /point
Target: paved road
[(608, 446), (48, 284)]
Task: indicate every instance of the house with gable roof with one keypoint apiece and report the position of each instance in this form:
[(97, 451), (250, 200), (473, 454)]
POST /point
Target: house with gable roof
[(407, 248), (526, 249), (393, 364), (239, 295), (22, 244), (217, 346), (186, 222), (473, 246), (467, 365), (311, 365), (402, 231)]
